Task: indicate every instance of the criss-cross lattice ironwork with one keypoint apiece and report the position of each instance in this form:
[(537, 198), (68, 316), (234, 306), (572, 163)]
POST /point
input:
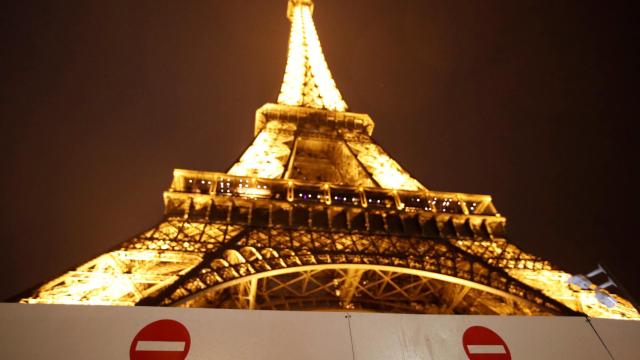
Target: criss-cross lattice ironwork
[(315, 215)]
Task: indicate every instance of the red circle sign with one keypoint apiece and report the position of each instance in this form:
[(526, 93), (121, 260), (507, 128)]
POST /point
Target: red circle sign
[(161, 340), (481, 343)]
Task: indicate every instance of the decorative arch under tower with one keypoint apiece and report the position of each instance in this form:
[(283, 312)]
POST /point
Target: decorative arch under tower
[(316, 216)]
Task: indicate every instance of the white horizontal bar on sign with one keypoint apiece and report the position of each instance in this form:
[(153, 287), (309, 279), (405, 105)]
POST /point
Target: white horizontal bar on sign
[(160, 346), (486, 349)]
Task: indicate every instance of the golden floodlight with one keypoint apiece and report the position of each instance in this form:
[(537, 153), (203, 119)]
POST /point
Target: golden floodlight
[(307, 79)]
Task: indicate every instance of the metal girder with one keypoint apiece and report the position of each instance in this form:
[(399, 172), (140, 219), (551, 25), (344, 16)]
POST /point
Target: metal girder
[(377, 290), (315, 214), (350, 286), (117, 278), (269, 250), (452, 294), (247, 294)]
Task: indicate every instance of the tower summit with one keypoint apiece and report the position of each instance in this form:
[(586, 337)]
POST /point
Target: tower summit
[(307, 79), (315, 215)]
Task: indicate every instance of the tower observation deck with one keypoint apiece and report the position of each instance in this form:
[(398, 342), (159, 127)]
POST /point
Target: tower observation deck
[(315, 215)]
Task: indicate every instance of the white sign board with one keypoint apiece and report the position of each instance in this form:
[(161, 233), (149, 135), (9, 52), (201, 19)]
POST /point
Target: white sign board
[(97, 332), (622, 337), (143, 333), (453, 337)]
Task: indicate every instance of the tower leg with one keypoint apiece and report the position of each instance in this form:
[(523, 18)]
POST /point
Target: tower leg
[(349, 287), (247, 294)]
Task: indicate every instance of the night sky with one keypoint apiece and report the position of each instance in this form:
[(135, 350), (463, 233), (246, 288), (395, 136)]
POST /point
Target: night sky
[(532, 102)]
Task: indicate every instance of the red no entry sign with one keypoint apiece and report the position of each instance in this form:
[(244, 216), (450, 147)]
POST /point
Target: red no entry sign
[(161, 340), (481, 343)]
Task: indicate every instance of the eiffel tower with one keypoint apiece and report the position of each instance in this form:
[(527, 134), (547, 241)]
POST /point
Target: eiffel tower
[(316, 216)]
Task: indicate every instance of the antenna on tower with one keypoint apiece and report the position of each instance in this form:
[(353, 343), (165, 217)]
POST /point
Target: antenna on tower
[(292, 3)]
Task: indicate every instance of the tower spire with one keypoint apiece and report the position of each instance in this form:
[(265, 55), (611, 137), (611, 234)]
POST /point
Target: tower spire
[(307, 80)]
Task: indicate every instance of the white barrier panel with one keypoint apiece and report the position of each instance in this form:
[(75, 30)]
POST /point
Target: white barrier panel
[(453, 337), (622, 337), (143, 333), (96, 332)]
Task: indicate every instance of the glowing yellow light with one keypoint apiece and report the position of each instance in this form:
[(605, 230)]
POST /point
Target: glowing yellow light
[(160, 256), (553, 283), (254, 192), (307, 79), (121, 277), (265, 157), (383, 168)]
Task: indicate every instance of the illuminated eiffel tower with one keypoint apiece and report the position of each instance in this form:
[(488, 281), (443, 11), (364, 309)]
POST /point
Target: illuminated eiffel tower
[(316, 216)]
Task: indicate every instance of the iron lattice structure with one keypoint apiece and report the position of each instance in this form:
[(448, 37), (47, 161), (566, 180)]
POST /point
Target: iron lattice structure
[(315, 215)]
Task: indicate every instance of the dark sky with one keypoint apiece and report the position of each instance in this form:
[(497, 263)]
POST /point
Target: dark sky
[(532, 102)]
